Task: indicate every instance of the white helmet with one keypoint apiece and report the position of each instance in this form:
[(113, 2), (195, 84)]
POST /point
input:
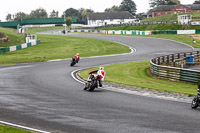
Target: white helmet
[(101, 68)]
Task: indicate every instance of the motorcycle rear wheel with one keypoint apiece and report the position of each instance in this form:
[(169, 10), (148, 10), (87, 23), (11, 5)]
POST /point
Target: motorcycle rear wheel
[(72, 64), (195, 102)]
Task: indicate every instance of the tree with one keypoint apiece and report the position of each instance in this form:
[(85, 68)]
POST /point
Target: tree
[(68, 21), (39, 13), (174, 2), (20, 15), (113, 9), (53, 14), (155, 3), (80, 11), (9, 17), (85, 12), (140, 16), (71, 12), (128, 5), (197, 2)]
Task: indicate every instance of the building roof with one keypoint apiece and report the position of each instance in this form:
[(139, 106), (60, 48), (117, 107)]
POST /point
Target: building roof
[(170, 7), (164, 8), (110, 15), (149, 12), (194, 6)]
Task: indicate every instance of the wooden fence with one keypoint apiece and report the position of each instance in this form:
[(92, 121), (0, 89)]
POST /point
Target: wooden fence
[(175, 67)]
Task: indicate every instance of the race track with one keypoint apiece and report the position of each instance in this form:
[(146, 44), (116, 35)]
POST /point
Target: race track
[(44, 96)]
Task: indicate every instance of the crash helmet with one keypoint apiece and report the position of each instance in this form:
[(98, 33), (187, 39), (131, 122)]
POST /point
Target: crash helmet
[(101, 68), (77, 54)]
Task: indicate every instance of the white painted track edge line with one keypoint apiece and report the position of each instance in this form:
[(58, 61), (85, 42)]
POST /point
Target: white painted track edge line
[(172, 41), (23, 127)]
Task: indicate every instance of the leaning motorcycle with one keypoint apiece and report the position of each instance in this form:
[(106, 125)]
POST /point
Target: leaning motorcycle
[(73, 62), (195, 102), (92, 82)]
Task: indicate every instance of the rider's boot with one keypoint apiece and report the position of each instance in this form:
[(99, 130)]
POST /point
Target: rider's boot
[(100, 84)]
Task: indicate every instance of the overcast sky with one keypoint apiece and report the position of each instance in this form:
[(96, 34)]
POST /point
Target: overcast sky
[(14, 6)]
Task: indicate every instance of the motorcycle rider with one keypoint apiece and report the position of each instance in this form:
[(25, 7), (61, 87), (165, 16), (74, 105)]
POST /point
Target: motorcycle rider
[(76, 58), (100, 73)]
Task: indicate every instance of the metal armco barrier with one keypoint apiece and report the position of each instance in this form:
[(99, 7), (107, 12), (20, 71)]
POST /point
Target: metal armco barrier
[(173, 73)]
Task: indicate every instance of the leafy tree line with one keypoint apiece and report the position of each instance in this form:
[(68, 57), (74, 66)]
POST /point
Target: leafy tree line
[(80, 14), (38, 13), (126, 5)]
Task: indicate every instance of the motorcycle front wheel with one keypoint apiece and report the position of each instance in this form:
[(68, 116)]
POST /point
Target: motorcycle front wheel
[(93, 85), (195, 102), (87, 85)]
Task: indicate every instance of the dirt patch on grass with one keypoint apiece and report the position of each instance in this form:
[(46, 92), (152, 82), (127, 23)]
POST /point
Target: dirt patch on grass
[(196, 37), (3, 38)]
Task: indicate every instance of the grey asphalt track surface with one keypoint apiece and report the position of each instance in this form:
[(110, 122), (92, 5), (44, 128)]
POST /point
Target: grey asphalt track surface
[(45, 96)]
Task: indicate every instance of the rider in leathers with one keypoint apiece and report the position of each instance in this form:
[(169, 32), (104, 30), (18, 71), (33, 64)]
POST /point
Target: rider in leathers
[(76, 58), (100, 73)]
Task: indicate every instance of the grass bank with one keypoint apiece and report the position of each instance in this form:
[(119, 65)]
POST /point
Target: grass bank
[(169, 17), (9, 129), (13, 36), (135, 74), (60, 47), (168, 26)]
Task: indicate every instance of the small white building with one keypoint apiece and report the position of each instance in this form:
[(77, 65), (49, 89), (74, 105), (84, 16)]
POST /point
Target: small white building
[(107, 18), (184, 19)]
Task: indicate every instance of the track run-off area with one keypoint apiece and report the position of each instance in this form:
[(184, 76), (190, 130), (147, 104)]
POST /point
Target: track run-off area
[(44, 96)]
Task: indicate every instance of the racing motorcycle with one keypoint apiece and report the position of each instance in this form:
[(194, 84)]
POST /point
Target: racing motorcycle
[(73, 62), (92, 82), (195, 102)]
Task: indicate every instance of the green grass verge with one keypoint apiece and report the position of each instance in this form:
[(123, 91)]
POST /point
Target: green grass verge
[(33, 30), (135, 74), (13, 36), (9, 129), (60, 47)]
